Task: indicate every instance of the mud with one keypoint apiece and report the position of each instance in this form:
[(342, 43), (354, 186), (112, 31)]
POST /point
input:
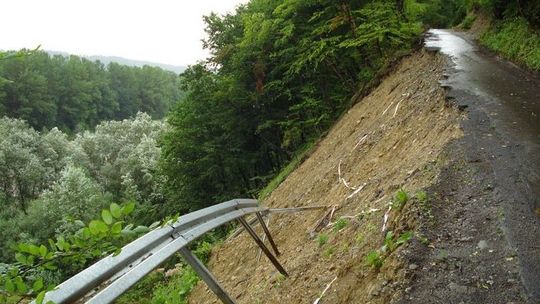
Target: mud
[(393, 138)]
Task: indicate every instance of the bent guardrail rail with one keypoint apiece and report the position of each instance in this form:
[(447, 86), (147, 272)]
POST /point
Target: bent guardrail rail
[(107, 279)]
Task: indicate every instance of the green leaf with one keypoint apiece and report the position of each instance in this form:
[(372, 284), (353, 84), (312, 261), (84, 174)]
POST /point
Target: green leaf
[(116, 228), (60, 242), (116, 211), (23, 247), (21, 286), (127, 209), (127, 232), (38, 285), (33, 249), (40, 297), (52, 245), (43, 250), (154, 225), (117, 251), (9, 286), (141, 229), (21, 258), (107, 217), (97, 227), (50, 266)]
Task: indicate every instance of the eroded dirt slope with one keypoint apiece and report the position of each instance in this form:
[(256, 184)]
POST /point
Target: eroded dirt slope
[(392, 138)]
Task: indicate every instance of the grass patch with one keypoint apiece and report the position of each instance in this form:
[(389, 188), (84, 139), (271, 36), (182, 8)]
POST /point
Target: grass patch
[(422, 197), (298, 158), (516, 40), (177, 289), (360, 238), (322, 239), (340, 224), (329, 252)]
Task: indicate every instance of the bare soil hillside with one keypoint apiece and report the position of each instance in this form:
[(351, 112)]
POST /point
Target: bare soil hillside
[(391, 139)]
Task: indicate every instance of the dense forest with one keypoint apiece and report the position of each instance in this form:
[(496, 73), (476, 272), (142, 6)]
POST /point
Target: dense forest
[(86, 163), (74, 94)]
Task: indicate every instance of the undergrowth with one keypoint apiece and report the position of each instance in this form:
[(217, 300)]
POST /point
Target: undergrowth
[(468, 21), (299, 157), (159, 288), (514, 39)]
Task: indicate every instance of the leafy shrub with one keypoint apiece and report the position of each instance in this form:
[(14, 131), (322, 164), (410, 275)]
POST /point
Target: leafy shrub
[(515, 40), (374, 259), (203, 251), (66, 255), (391, 244), (177, 289), (400, 199)]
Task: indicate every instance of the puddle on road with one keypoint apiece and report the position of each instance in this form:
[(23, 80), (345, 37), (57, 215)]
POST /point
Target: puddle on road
[(513, 94), (449, 44)]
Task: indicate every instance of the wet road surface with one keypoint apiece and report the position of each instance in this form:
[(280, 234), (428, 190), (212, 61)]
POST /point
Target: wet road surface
[(506, 98)]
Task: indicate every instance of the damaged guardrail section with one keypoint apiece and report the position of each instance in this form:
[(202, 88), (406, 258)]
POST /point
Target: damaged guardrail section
[(110, 277)]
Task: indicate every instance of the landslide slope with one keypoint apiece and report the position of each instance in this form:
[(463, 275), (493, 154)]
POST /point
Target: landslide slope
[(393, 138)]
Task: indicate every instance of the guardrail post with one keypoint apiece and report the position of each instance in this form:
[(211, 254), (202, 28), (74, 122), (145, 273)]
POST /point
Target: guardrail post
[(206, 276), (267, 232), (271, 257)]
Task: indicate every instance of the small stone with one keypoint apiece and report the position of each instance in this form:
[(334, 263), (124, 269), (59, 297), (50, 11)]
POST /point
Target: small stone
[(458, 288), (408, 289), (413, 266), (482, 245)]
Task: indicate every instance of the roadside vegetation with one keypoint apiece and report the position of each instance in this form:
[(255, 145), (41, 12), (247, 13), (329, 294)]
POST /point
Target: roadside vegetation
[(515, 40), (513, 32)]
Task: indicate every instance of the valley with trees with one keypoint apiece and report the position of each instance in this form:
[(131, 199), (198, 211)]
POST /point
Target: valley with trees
[(93, 155)]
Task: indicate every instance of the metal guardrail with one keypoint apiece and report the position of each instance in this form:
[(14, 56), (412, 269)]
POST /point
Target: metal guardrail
[(110, 277)]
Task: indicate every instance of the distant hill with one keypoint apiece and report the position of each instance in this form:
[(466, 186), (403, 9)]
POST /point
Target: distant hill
[(125, 61)]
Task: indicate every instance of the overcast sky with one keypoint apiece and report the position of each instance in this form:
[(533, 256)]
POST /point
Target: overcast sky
[(164, 31)]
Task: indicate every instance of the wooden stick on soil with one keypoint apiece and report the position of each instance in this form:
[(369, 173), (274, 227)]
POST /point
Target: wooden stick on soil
[(342, 179), (360, 141), (385, 218), (397, 107), (387, 108), (323, 222), (356, 191), (318, 300)]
